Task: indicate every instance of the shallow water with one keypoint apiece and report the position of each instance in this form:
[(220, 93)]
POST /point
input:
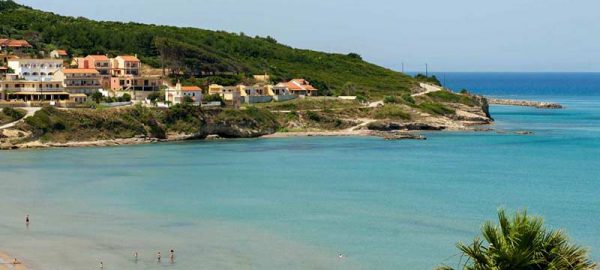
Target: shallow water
[(297, 203)]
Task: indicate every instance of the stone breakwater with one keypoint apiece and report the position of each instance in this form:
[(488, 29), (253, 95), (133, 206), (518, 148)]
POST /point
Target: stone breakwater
[(525, 103)]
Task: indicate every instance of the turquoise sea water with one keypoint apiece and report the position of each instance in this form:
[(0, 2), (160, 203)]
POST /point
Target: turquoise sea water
[(297, 203)]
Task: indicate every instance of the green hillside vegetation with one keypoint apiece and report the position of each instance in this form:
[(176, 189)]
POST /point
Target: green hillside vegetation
[(200, 53), (8, 115), (55, 125)]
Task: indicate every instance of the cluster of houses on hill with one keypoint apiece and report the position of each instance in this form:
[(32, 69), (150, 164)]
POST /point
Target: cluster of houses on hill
[(64, 80)]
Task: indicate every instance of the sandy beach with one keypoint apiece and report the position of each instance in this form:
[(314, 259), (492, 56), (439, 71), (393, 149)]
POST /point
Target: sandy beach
[(6, 263)]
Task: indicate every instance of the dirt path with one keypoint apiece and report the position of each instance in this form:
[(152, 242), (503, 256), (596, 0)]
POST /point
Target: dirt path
[(429, 88), (30, 112)]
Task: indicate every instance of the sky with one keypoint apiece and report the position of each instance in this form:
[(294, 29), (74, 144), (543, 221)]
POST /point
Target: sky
[(448, 35)]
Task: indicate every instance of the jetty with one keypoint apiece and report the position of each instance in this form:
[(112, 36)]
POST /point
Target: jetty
[(525, 103)]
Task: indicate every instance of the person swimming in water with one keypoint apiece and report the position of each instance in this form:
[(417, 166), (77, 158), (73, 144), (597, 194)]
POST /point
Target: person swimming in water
[(101, 265), (172, 256), (27, 220), (158, 257), (135, 256)]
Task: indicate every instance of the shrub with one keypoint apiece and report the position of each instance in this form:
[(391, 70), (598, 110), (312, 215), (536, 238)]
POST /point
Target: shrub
[(13, 114), (406, 97), (313, 116), (390, 100), (435, 108), (391, 112)]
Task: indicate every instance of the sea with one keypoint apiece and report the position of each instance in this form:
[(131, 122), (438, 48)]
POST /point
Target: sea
[(312, 203)]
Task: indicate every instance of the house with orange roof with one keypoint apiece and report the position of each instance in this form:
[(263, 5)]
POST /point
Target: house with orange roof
[(300, 87), (79, 80), (177, 94), (59, 54), (98, 62), (126, 65), (14, 45)]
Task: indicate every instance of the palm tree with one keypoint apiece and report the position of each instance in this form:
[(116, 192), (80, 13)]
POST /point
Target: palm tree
[(522, 243)]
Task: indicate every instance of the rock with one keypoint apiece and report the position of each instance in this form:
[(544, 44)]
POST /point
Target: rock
[(523, 132), (394, 136), (391, 126), (525, 103)]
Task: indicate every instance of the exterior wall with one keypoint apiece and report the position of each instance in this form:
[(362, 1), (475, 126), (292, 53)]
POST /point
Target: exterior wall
[(135, 83), (280, 98), (102, 66), (257, 99), (33, 90), (79, 83), (36, 69), (31, 86), (121, 67)]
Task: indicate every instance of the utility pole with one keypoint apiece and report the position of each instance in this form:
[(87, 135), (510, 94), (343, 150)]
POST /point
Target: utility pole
[(426, 70), (402, 67)]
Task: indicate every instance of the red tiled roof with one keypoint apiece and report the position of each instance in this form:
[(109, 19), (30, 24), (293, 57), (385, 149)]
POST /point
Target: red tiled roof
[(80, 71), (129, 58), (61, 52), (300, 85), (191, 88), (15, 43), (98, 57)]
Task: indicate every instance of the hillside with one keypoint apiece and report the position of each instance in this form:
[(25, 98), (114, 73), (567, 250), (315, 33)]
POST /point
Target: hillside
[(198, 52)]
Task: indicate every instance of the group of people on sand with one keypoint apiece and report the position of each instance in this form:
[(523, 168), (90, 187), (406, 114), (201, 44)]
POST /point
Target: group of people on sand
[(158, 257)]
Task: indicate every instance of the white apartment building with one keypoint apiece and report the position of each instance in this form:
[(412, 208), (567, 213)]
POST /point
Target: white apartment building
[(40, 70)]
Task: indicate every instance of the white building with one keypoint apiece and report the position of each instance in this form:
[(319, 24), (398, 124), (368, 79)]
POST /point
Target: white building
[(177, 94), (40, 70)]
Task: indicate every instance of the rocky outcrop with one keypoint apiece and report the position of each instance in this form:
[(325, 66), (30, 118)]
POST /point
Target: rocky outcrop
[(525, 103), (242, 129), (392, 126)]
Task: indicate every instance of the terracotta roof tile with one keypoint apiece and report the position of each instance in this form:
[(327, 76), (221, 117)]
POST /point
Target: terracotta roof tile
[(98, 57), (191, 88), (80, 71), (129, 58)]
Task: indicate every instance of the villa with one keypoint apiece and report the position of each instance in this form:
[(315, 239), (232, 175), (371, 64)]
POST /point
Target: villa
[(176, 95), (300, 87), (79, 80), (14, 45), (126, 65), (35, 69), (98, 62)]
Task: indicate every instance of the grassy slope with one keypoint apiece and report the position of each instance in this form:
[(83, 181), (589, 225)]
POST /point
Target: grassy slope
[(213, 50)]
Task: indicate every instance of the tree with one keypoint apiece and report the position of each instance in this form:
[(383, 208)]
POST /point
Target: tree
[(522, 242), (126, 97), (355, 56), (96, 97), (349, 89), (187, 100)]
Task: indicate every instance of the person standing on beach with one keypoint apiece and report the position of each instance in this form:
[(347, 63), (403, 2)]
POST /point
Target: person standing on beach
[(158, 257), (172, 256)]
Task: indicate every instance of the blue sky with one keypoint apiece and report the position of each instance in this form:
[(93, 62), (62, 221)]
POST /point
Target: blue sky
[(458, 35)]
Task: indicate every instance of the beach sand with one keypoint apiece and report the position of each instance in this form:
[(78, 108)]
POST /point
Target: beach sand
[(6, 263)]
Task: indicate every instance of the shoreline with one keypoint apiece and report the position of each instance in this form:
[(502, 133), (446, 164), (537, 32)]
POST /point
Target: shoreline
[(387, 135), (6, 263)]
